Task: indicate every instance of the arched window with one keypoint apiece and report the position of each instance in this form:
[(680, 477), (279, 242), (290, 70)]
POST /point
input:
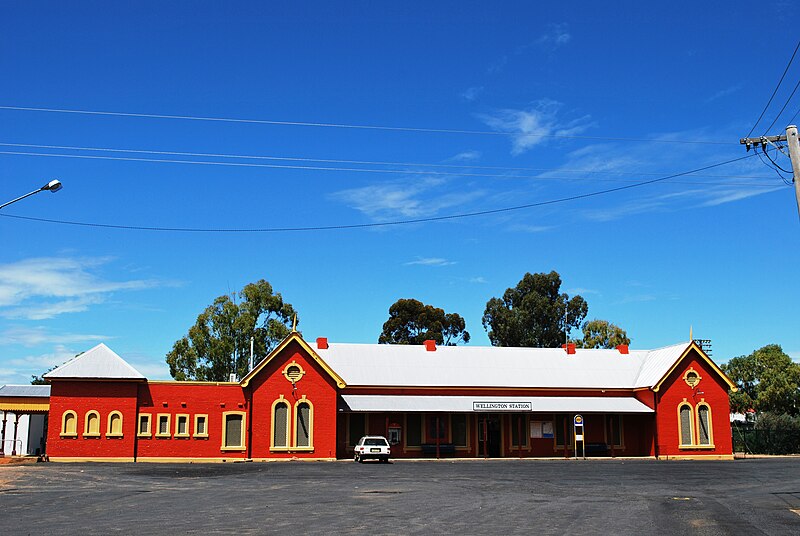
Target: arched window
[(114, 424), (705, 437), (280, 424), (92, 425), (303, 424), (69, 424), (685, 423)]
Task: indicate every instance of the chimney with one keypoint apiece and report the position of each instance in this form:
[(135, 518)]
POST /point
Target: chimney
[(322, 343), (570, 348), (430, 345), (622, 348)]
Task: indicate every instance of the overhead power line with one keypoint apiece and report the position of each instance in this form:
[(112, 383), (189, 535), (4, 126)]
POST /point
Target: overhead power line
[(775, 91), (338, 161), (348, 170), (354, 126), (376, 224), (785, 104)]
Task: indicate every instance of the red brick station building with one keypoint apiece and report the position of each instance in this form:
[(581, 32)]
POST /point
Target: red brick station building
[(314, 401)]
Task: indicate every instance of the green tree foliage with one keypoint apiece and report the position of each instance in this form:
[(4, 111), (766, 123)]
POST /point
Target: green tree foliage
[(219, 342), (534, 313), (768, 381), (39, 380), (413, 322), (602, 334)]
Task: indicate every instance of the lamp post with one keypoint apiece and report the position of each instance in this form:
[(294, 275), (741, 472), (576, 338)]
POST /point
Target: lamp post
[(52, 186)]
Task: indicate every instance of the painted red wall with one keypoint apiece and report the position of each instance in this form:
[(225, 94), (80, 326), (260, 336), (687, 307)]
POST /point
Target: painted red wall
[(192, 398), (82, 397), (712, 389), (317, 386)]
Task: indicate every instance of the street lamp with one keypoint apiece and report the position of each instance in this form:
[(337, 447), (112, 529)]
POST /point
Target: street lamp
[(52, 186)]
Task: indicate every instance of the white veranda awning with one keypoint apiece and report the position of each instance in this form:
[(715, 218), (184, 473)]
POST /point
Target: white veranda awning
[(479, 404)]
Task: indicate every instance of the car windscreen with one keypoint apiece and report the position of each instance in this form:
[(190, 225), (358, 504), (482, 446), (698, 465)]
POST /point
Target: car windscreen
[(375, 442)]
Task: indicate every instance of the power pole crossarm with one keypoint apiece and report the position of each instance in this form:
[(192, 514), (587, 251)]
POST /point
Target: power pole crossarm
[(794, 155), (761, 140)]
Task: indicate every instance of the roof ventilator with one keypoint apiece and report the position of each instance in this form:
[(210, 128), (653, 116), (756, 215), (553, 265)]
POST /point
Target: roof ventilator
[(623, 348), (570, 348), (430, 345), (322, 343)]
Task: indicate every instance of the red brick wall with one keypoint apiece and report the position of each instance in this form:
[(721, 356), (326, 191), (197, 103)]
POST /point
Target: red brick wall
[(82, 397), (712, 389), (318, 388), (189, 398)]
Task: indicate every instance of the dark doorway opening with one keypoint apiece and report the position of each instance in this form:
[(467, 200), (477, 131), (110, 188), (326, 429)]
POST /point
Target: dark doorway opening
[(490, 436)]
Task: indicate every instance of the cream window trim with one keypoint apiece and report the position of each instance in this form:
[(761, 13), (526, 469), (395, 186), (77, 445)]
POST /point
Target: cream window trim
[(149, 419), (681, 444), (310, 425), (182, 417), (704, 404), (166, 434), (272, 446), (205, 425), (241, 446), (91, 431), (110, 432), (73, 431)]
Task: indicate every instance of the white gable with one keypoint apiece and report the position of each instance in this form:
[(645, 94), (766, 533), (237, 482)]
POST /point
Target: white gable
[(101, 362), (391, 365)]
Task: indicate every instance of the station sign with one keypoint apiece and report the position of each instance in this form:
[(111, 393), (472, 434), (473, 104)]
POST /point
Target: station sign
[(502, 406)]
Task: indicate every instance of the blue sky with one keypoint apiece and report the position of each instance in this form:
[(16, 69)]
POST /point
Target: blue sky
[(549, 101)]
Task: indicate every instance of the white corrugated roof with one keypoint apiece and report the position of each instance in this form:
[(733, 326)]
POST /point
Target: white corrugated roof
[(101, 362), (540, 404), (474, 366)]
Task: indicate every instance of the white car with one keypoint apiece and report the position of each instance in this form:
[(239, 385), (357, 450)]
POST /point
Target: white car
[(372, 447)]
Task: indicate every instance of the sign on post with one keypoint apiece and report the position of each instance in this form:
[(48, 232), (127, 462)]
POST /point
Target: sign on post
[(577, 422)]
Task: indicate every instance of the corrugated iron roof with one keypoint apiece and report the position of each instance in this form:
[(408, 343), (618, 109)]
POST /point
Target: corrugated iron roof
[(472, 366), (28, 391), (100, 363)]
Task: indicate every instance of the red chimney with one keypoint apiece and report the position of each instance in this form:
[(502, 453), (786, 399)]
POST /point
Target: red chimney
[(430, 345), (570, 348), (622, 348), (322, 343)]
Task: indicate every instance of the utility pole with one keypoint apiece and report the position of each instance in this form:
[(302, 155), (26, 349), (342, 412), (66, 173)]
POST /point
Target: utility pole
[(794, 153), (794, 156)]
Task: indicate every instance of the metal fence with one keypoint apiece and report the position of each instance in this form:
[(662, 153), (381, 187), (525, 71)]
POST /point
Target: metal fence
[(752, 441)]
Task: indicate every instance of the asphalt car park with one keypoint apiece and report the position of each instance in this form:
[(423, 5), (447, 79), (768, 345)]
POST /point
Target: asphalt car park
[(758, 496)]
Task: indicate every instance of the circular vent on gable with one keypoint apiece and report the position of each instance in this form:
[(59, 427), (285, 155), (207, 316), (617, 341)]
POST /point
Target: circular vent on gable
[(293, 372), (692, 378)]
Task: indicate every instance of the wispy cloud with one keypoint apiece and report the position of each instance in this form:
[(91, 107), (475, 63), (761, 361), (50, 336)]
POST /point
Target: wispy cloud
[(535, 125), (478, 280), (581, 290), (723, 93), (604, 166), (523, 228), (34, 336), (41, 288), (472, 93), (465, 156), (38, 363), (413, 198), (429, 261), (556, 36)]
